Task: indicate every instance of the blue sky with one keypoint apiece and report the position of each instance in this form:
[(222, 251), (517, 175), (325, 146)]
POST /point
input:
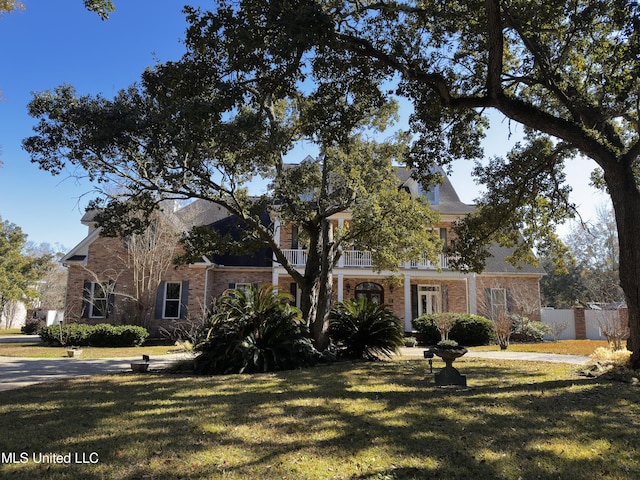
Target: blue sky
[(52, 43)]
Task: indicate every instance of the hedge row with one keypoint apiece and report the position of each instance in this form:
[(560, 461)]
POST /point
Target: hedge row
[(102, 335), (469, 330)]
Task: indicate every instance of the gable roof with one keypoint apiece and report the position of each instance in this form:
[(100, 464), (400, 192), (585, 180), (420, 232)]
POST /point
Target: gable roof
[(496, 263), (448, 203)]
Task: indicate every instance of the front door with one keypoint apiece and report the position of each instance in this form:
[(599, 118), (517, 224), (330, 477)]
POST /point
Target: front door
[(428, 299), (371, 291)]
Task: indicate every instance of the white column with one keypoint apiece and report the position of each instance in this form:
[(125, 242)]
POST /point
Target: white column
[(472, 294), (341, 259), (340, 287), (407, 303), (274, 279)]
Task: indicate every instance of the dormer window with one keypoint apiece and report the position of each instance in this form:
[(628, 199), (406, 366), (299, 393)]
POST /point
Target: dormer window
[(433, 194)]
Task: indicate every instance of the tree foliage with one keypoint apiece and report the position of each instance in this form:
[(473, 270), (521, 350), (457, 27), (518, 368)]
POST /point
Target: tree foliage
[(565, 69), (593, 275), (18, 271), (226, 114), (102, 7), (8, 6)]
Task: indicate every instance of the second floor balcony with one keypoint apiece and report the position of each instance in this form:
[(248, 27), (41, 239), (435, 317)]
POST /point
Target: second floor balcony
[(362, 259)]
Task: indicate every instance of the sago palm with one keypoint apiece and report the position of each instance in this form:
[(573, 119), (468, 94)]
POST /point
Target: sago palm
[(363, 329)]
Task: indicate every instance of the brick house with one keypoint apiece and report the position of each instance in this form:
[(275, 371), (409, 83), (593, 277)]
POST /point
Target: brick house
[(100, 279)]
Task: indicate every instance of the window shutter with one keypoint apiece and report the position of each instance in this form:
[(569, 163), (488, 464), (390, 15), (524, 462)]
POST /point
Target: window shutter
[(488, 306), (510, 305), (184, 299), (86, 298), (159, 301), (445, 298), (414, 301), (294, 237), (232, 286), (111, 299)]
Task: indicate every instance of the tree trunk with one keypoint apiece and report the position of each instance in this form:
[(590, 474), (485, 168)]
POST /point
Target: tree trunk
[(321, 325), (626, 204), (316, 291)]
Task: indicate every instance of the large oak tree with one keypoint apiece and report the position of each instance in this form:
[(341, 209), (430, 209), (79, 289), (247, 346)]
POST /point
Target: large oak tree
[(206, 126), (567, 70)]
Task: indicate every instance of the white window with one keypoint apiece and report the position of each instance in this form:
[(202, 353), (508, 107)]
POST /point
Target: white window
[(498, 299), (98, 301), (243, 286), (172, 295)]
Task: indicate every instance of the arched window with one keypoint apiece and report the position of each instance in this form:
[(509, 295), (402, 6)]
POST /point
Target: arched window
[(371, 291)]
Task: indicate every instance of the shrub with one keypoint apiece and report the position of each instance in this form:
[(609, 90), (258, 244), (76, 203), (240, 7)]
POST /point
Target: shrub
[(105, 335), (472, 330), (32, 325), (525, 330), (410, 341), (102, 335), (76, 334), (254, 330), (606, 357), (363, 329), (425, 325), (467, 329)]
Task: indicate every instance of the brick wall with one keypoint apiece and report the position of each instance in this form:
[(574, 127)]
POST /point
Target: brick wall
[(221, 278), (524, 292)]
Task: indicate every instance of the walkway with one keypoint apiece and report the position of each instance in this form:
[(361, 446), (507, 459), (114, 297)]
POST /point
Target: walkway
[(511, 355)]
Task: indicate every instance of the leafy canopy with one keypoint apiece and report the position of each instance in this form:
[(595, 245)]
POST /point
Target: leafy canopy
[(18, 271)]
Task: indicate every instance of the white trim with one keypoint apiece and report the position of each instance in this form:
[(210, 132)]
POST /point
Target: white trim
[(81, 248)]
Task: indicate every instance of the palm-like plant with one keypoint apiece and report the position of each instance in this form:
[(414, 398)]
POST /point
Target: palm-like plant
[(362, 329), (254, 330)]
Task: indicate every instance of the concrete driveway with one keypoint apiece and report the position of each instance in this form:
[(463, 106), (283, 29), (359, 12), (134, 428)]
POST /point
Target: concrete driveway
[(20, 372)]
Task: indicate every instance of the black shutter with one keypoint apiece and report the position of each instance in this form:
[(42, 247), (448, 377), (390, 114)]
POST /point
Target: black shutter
[(293, 290), (510, 305), (294, 237), (445, 298), (184, 299), (111, 298), (488, 307), (86, 299), (414, 301), (159, 301), (232, 286)]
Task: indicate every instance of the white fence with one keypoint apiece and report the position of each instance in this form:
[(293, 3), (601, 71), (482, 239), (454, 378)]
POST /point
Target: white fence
[(592, 319), (552, 317)]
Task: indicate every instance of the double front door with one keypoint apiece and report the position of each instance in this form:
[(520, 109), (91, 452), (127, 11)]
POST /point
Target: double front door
[(429, 299)]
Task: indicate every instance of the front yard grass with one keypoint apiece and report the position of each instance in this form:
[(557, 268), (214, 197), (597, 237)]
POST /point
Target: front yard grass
[(382, 420), (563, 347)]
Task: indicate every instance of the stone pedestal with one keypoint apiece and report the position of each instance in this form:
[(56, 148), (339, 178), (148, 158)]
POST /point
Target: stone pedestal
[(449, 376)]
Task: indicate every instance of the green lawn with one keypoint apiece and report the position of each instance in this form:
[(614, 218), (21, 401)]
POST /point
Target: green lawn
[(382, 420)]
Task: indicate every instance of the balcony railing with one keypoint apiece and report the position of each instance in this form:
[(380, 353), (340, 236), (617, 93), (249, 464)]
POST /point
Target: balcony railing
[(362, 259)]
